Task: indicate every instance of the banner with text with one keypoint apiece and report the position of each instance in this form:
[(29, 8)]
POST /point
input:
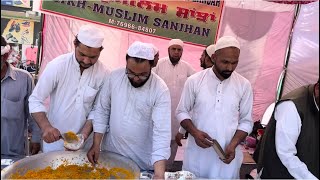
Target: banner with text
[(193, 22)]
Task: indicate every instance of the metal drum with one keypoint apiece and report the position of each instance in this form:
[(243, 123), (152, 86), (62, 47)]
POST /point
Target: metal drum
[(54, 159)]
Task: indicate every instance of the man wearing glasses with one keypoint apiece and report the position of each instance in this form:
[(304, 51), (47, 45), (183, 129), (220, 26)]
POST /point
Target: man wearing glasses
[(133, 111)]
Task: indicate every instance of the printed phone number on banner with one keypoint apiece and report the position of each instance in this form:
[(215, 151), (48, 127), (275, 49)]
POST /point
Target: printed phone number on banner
[(132, 26)]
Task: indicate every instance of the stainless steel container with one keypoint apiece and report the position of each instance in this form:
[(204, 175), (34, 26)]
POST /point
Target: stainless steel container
[(55, 159)]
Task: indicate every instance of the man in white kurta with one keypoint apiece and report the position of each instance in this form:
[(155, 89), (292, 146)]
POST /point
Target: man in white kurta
[(174, 72), (289, 148), (221, 104), (133, 110), (288, 129), (205, 62), (72, 85)]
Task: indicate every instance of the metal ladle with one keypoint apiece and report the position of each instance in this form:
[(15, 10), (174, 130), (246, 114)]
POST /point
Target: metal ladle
[(66, 137), (72, 144)]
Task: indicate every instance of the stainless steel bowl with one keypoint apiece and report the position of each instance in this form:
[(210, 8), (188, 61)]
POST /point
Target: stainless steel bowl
[(55, 159)]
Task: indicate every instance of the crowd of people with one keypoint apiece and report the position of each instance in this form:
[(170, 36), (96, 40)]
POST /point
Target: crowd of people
[(142, 111)]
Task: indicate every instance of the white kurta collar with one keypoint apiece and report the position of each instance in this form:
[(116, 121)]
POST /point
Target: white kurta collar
[(216, 77), (75, 62), (170, 63)]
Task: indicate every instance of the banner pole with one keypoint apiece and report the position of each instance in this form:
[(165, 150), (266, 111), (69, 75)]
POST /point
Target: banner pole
[(284, 73), (39, 57)]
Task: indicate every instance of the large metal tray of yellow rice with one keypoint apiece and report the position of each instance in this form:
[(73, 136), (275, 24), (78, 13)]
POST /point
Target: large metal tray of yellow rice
[(107, 160)]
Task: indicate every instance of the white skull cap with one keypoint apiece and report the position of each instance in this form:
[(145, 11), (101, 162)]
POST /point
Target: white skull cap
[(227, 41), (155, 49), (5, 49), (176, 42), (141, 50), (210, 50), (91, 36)]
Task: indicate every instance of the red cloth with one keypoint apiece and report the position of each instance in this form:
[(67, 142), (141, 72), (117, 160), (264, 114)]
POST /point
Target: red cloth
[(31, 54), (292, 2)]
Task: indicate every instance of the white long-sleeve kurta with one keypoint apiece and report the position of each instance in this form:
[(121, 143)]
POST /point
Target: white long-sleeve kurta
[(174, 77), (219, 109), (71, 94), (287, 133), (136, 120)]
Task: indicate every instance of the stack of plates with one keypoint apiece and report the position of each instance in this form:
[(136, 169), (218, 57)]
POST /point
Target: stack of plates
[(179, 175)]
